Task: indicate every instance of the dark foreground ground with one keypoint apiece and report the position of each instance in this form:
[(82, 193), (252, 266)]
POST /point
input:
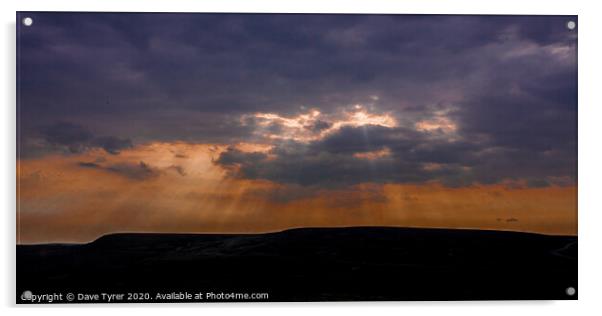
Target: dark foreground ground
[(310, 264)]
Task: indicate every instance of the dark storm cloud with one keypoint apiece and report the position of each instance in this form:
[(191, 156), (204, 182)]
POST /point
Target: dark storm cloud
[(319, 126), (509, 83), (331, 161), (74, 137), (232, 63), (233, 157), (414, 157), (77, 138)]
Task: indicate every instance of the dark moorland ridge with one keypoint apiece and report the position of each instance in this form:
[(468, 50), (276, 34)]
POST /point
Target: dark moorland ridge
[(313, 264)]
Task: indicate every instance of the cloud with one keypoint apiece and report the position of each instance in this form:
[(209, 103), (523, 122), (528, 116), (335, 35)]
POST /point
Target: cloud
[(113, 194), (91, 165), (379, 154), (325, 163), (262, 122), (235, 64), (134, 171), (76, 138), (112, 144), (486, 99), (179, 169), (319, 126), (139, 171)]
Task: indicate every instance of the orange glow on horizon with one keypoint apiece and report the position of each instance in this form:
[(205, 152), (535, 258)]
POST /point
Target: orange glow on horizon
[(178, 188)]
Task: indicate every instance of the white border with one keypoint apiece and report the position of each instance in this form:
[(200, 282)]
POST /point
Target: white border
[(590, 209)]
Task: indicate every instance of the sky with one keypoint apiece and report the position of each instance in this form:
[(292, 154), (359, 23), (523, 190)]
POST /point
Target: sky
[(248, 123)]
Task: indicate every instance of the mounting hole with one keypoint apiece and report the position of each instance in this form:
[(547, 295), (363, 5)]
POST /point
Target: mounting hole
[(570, 291), (571, 25), (26, 296), (27, 21)]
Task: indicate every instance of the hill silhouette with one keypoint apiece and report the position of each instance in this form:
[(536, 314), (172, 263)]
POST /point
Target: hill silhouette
[(313, 264)]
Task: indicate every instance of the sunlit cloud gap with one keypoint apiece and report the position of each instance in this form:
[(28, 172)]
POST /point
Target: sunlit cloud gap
[(315, 125)]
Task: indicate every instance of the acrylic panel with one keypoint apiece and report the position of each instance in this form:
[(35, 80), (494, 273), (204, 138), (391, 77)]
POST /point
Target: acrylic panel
[(221, 157)]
